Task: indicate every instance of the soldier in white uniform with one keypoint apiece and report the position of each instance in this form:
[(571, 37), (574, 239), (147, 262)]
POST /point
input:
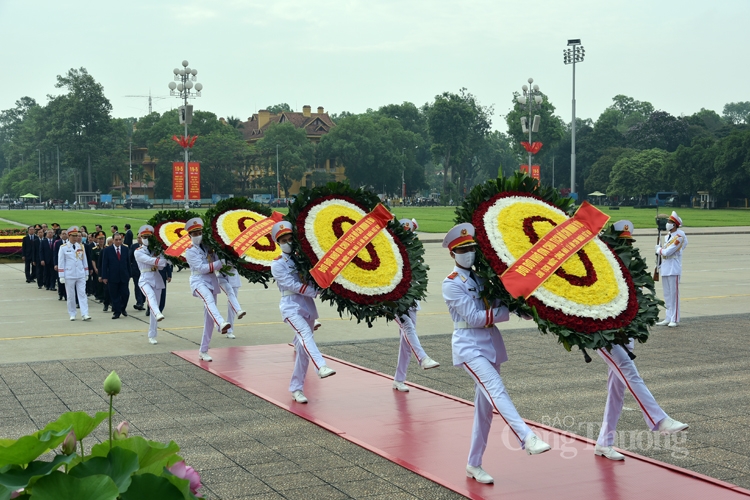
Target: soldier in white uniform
[(230, 284), (298, 309), (73, 270), (407, 324), (203, 282), (479, 348), (150, 282), (622, 374), (670, 269)]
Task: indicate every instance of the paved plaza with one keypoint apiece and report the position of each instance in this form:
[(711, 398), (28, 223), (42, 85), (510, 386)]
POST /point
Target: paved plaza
[(244, 447)]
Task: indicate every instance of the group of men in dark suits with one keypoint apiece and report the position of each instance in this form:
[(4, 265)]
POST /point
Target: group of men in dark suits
[(110, 266)]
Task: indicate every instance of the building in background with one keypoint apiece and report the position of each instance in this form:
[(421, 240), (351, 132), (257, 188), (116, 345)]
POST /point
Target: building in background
[(316, 125)]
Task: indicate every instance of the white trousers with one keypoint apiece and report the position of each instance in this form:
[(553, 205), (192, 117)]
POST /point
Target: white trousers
[(211, 315), (233, 305), (671, 287), (490, 394), (409, 344), (152, 297), (73, 287), (623, 374), (305, 349)]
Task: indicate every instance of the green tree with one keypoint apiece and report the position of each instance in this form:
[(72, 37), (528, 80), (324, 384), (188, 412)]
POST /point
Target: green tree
[(638, 174), (279, 108), (551, 130), (449, 119), (661, 130), (221, 154), (235, 122), (599, 176), (737, 112), (375, 150), (732, 166), (296, 152), (691, 167)]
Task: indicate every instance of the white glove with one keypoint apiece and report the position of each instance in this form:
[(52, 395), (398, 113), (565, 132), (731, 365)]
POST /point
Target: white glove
[(62, 281), (218, 264), (658, 249)]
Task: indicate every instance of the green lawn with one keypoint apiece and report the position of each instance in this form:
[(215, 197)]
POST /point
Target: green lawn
[(430, 219)]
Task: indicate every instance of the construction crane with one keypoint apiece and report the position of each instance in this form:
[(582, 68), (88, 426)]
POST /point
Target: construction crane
[(149, 99)]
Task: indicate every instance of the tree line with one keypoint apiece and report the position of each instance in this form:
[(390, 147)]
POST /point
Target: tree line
[(445, 146)]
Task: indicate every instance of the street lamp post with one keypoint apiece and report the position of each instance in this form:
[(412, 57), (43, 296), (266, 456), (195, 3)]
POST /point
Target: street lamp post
[(185, 77), (39, 154), (532, 98), (278, 184), (130, 183), (572, 55)]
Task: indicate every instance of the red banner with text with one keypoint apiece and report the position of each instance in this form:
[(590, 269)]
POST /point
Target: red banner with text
[(252, 234), (178, 180), (524, 169), (349, 245), (194, 180), (536, 172), (550, 252)]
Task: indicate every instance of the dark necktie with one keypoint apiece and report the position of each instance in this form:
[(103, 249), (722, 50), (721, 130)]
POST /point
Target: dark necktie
[(118, 252)]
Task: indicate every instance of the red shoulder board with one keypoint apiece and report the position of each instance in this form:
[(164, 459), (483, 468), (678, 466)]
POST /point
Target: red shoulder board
[(452, 275)]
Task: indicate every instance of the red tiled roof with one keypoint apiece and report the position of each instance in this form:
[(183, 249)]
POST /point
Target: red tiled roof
[(315, 125)]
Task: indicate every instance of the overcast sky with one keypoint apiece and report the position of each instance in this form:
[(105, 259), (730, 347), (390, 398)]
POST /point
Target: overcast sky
[(350, 55)]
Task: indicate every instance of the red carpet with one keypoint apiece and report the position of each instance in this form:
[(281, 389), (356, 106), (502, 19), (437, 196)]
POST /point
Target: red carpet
[(428, 433)]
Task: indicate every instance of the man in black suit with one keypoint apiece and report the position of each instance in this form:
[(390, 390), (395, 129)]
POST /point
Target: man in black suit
[(48, 244), (38, 258), (62, 294), (128, 239), (116, 275), (135, 273), (27, 254)]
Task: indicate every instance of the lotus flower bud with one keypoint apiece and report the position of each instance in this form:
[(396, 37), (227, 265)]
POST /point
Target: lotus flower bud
[(112, 384), (69, 443), (183, 471), (121, 432)]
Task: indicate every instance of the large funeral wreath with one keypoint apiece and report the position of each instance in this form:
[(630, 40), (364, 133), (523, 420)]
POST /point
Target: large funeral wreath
[(387, 277), (225, 221), (169, 226), (602, 296)]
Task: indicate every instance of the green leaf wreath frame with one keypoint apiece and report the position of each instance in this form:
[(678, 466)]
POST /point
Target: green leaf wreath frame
[(647, 303), (163, 217), (359, 306), (255, 273)]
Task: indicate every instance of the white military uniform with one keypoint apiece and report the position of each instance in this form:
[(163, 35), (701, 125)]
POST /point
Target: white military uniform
[(298, 309), (204, 284), (478, 347), (409, 343), (151, 283), (670, 271), (230, 285), (73, 268)]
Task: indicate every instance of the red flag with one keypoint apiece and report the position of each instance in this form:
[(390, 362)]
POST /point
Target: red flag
[(532, 148)]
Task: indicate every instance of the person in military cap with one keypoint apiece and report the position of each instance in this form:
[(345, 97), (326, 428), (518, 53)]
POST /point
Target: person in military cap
[(409, 343), (73, 271), (298, 310), (623, 374), (478, 347), (670, 268), (203, 282), (150, 281)]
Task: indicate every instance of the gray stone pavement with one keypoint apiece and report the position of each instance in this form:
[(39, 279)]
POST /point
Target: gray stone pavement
[(244, 447), (247, 448)]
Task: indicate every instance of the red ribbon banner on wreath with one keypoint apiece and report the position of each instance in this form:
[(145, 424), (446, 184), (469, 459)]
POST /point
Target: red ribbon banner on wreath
[(349, 245), (252, 234), (178, 248), (550, 252)]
